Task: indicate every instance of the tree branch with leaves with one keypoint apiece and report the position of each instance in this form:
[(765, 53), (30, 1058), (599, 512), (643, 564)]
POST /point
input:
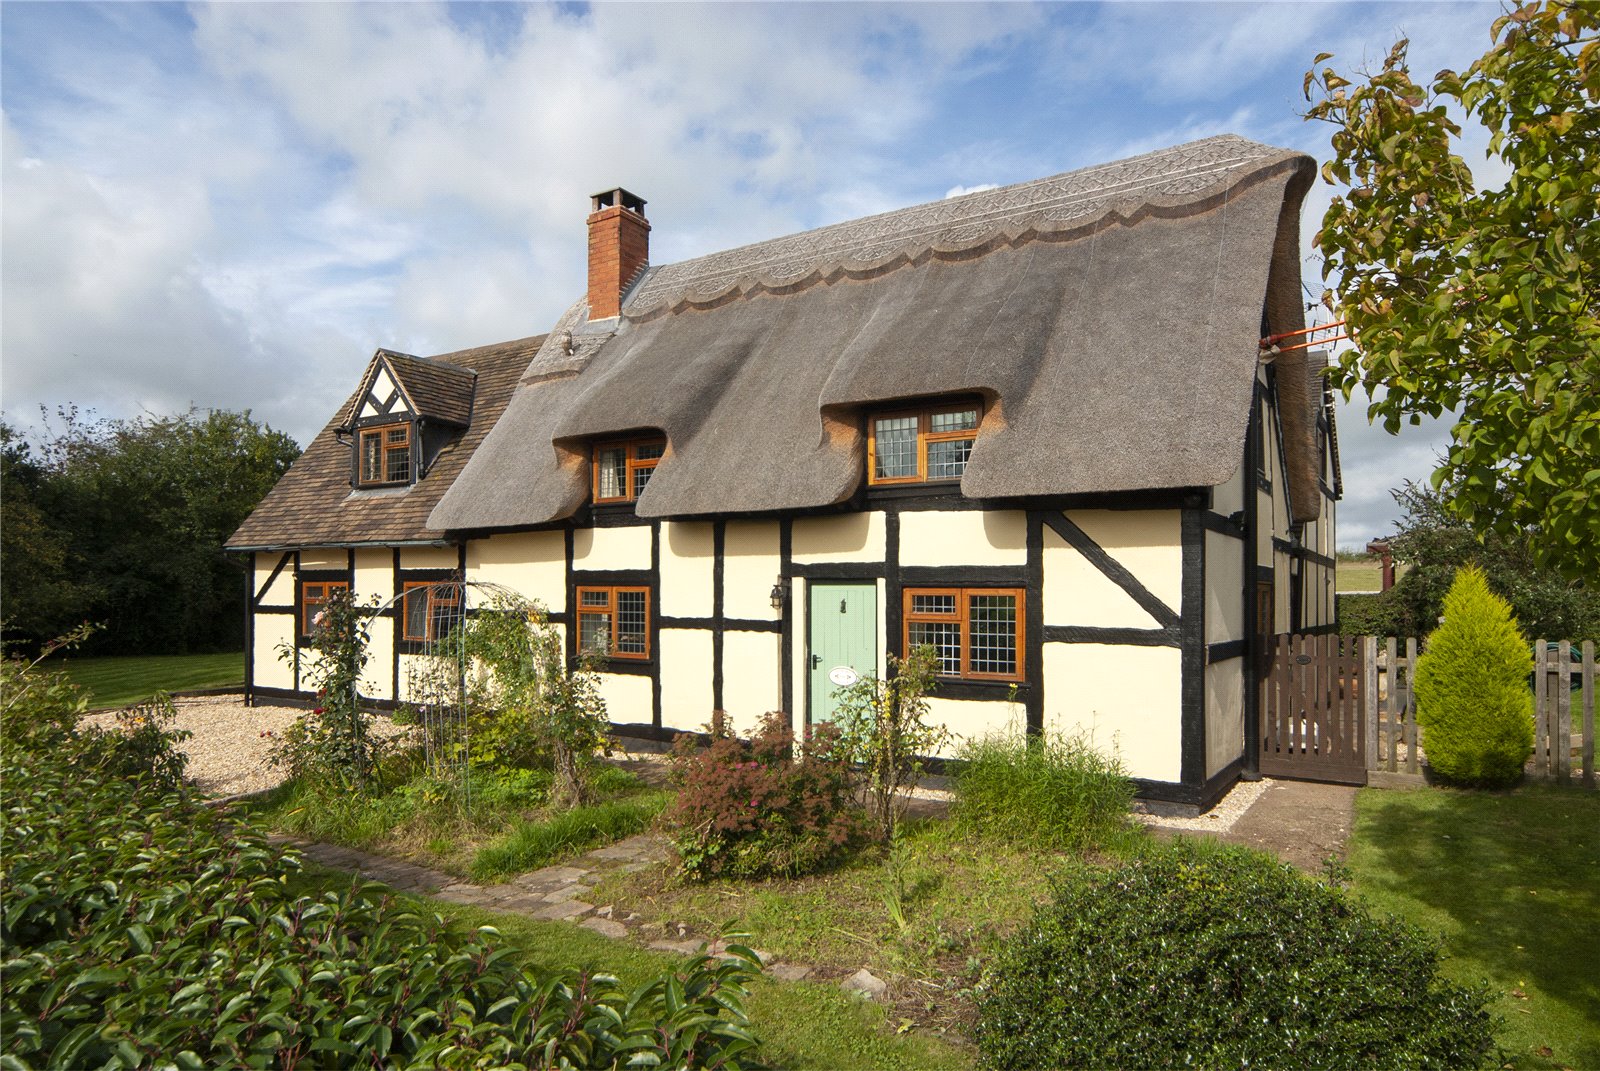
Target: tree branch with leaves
[(1477, 298)]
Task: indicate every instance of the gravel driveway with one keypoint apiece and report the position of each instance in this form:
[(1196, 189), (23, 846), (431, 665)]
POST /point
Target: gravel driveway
[(228, 751)]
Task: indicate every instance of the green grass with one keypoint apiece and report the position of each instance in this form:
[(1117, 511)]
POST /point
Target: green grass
[(1058, 793), (533, 844), (1511, 882), (801, 1024), (1365, 574), (507, 829), (123, 681), (921, 911)]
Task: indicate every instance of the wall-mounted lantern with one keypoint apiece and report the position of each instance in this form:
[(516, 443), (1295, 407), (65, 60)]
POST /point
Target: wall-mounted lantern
[(779, 595)]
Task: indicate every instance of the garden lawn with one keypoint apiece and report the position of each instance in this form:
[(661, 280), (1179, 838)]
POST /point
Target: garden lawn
[(1511, 882), (923, 918), (802, 1024), (123, 681)]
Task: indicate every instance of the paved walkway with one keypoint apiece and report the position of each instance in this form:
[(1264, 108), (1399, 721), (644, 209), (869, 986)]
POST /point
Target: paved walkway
[(554, 893), (1301, 822)]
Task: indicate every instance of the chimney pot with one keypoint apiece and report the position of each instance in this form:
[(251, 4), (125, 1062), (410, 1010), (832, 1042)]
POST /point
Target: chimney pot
[(619, 249)]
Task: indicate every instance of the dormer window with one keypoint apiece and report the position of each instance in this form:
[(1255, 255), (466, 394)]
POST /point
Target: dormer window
[(385, 453), (622, 469), (923, 445)]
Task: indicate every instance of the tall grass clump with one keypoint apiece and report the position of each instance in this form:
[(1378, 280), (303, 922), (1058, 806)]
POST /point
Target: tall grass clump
[(533, 844), (1058, 793)]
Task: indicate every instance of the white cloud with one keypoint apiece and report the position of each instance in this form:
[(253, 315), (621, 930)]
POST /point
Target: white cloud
[(962, 191)]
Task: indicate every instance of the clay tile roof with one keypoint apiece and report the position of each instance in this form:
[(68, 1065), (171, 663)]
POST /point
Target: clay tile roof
[(314, 505)]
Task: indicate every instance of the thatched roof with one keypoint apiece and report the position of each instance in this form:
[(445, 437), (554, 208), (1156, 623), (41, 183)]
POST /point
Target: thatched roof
[(313, 505), (1110, 316)]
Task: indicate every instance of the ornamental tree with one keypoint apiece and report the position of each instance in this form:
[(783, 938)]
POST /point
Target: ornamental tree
[(1480, 298)]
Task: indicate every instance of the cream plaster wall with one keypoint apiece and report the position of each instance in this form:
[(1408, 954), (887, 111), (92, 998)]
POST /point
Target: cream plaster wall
[(1265, 523), (799, 598), (374, 576), (974, 719), (324, 558), (688, 559), (1225, 593), (627, 698), (847, 537), (271, 631), (1127, 698), (1280, 591), (1228, 496), (1148, 543), (750, 683), (533, 564), (1076, 593), (685, 660), (750, 565), (281, 593), (964, 537), (429, 557), (1224, 713), (612, 548), (377, 676)]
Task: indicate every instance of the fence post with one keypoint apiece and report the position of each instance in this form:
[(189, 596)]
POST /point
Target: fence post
[(1413, 763), (1541, 704), (1588, 713), (1369, 697), (1390, 722), (1563, 713)]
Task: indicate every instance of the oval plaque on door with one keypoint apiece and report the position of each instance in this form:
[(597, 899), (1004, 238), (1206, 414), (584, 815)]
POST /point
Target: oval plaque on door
[(843, 676), (1304, 660)]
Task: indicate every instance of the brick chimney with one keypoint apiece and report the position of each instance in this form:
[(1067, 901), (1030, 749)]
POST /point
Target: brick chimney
[(619, 249)]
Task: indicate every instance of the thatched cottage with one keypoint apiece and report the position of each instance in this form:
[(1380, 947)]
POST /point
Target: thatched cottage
[(1042, 427)]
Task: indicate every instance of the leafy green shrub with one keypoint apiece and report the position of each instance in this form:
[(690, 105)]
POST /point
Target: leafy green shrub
[(1058, 793), (1369, 614), (533, 844), (882, 729), (143, 929), (1220, 958), (1473, 701), (755, 809), (144, 745)]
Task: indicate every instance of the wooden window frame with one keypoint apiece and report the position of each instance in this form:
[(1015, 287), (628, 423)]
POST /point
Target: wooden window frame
[(325, 590), (962, 617), (438, 592), (925, 435), (634, 463), (610, 609), (384, 449)]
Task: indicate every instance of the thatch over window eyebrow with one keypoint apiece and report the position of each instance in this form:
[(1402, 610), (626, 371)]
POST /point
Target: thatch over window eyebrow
[(1113, 330)]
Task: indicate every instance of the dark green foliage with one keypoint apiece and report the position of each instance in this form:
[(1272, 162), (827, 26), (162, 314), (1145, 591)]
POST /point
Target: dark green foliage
[(755, 809), (123, 521), (1473, 700), (1434, 543), (1372, 614), (144, 745), (1220, 958), (1059, 794), (141, 928)]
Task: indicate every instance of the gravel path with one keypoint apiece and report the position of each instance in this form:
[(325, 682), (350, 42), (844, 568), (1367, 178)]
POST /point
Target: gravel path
[(228, 751)]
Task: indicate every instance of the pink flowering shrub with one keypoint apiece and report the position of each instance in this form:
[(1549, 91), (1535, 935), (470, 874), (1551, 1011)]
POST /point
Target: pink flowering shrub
[(756, 809)]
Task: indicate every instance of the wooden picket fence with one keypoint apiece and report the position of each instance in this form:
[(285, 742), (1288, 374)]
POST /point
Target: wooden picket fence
[(1343, 709)]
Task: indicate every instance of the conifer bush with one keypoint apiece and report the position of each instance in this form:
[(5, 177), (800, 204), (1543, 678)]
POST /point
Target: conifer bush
[(1473, 701)]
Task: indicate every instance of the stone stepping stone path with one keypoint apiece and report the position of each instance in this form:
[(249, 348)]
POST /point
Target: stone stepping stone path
[(561, 893)]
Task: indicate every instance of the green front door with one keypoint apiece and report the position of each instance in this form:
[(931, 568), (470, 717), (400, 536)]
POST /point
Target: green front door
[(844, 640)]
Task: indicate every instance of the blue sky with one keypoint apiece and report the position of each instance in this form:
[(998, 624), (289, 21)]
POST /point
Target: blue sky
[(232, 205)]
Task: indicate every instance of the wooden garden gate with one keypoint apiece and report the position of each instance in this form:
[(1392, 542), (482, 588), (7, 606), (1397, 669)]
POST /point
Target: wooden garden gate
[(1313, 710)]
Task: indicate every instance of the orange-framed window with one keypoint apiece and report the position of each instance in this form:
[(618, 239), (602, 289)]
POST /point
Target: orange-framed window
[(429, 609), (978, 632), (385, 454), (614, 621), (313, 593), (922, 445), (622, 469)]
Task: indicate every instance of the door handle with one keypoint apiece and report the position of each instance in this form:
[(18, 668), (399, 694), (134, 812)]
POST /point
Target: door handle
[(816, 660)]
